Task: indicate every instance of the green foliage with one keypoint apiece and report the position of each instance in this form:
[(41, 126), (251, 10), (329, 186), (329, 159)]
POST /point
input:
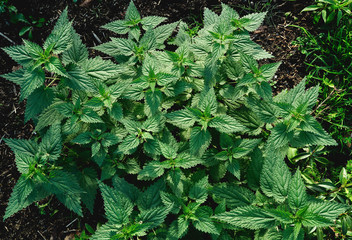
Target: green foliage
[(328, 10), (191, 140)]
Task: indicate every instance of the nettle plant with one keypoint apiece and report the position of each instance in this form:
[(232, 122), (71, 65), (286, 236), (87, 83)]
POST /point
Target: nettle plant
[(192, 140)]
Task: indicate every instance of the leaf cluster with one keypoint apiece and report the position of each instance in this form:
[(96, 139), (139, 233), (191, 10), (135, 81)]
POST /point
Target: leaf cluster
[(191, 140)]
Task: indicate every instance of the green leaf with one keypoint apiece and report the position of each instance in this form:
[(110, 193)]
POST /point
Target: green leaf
[(118, 208), (118, 26), (106, 231), (185, 160), (150, 198), (253, 21), (233, 195), (32, 80), (51, 142), (328, 210), (90, 116), (100, 69), (151, 171), (87, 180), (20, 54), (77, 79), (182, 118), (163, 32), (72, 202), (54, 65), (15, 76), (199, 191), (40, 99), (152, 21), (34, 50), (129, 144), (77, 53), (60, 39), (129, 190), (255, 167), (61, 182), (109, 139), (153, 99), (132, 13), (168, 151), (210, 17), (21, 146), (289, 234), (200, 141), (243, 43), (204, 223), (275, 177), (226, 124), (153, 217), (297, 196), (207, 101), (310, 219), (249, 217), (18, 192), (125, 46), (279, 136), (49, 116)]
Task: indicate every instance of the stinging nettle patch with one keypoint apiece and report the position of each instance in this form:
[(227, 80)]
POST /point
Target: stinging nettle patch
[(196, 131)]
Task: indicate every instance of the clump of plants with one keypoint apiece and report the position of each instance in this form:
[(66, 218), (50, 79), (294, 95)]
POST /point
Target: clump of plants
[(184, 143)]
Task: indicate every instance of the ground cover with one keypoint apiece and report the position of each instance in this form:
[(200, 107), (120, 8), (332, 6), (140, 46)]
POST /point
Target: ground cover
[(58, 225)]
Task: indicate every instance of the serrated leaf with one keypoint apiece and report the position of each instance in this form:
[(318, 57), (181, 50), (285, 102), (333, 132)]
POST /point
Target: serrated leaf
[(20, 54), (14, 206), (51, 142), (151, 171), (234, 196), (152, 21), (199, 191), (279, 136), (129, 190), (88, 182), (163, 32), (297, 197), (249, 217), (130, 143), (181, 118), (153, 217), (21, 146), (100, 69), (207, 101), (125, 46), (226, 124), (34, 50), (210, 17), (118, 208), (328, 210), (40, 99), (199, 141), (150, 198), (32, 80), (204, 223), (168, 151), (77, 78), (15, 76), (77, 53), (253, 21), (54, 65), (153, 99), (60, 38), (90, 116)]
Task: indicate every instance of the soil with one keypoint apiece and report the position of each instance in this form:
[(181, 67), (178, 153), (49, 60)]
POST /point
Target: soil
[(55, 221)]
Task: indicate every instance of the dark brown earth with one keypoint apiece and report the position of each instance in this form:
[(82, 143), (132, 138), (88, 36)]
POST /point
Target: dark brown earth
[(57, 222)]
